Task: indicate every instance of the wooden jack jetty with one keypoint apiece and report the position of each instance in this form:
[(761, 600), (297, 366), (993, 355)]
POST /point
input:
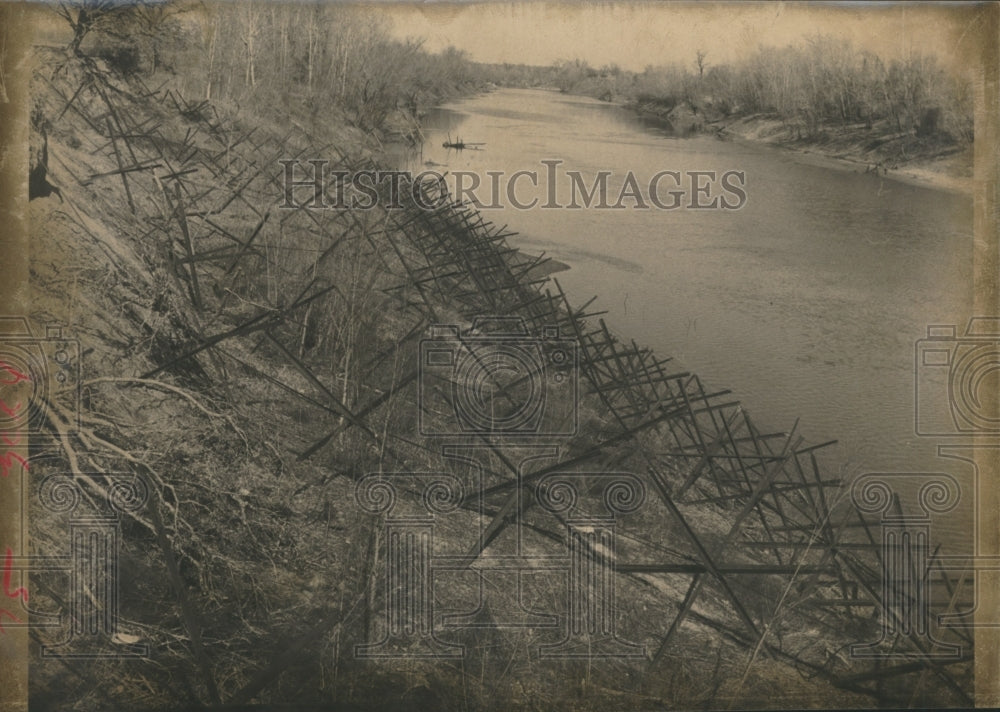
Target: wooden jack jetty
[(768, 551)]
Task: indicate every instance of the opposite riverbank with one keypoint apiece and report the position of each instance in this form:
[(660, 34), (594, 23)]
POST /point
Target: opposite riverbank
[(905, 156)]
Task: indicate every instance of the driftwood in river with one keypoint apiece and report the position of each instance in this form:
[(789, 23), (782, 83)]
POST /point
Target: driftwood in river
[(460, 144)]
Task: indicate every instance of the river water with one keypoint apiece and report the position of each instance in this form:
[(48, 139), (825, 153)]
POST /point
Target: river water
[(806, 302)]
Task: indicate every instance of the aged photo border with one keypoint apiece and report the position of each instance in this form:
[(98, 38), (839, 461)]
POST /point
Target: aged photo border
[(15, 295)]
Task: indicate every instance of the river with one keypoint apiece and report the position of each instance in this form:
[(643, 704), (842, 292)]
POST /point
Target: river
[(806, 302)]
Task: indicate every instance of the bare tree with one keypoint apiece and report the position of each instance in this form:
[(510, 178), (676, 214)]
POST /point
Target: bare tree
[(84, 16), (700, 62), (213, 33), (250, 30)]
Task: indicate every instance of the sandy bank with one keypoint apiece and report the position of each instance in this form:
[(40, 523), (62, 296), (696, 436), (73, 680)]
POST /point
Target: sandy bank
[(854, 149), (882, 150)]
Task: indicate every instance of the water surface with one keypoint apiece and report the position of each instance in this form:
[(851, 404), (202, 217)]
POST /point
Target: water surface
[(806, 302)]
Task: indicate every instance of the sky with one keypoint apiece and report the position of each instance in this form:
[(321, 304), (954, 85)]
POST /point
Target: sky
[(636, 34)]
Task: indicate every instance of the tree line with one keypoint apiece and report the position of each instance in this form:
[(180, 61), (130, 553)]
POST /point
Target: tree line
[(824, 81), (342, 59), (330, 58)]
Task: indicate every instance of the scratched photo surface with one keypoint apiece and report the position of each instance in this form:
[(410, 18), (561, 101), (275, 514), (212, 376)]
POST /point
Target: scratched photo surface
[(499, 356)]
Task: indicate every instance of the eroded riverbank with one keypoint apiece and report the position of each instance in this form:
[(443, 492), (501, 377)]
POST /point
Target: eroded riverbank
[(897, 155)]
